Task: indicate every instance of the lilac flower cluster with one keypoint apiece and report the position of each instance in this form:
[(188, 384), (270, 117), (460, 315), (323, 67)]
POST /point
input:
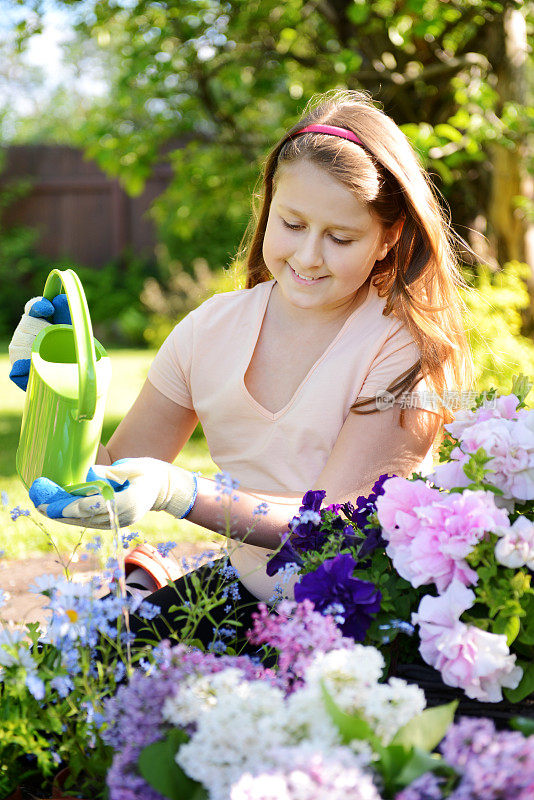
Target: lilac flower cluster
[(134, 715), (297, 632), (493, 765)]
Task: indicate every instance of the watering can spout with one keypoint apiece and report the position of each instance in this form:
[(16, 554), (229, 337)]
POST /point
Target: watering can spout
[(65, 400)]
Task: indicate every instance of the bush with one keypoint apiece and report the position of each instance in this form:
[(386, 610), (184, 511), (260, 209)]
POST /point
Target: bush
[(114, 297), (170, 299), (22, 270), (494, 323)]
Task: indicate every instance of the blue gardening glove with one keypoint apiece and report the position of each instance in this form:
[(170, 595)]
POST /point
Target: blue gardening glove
[(38, 314), (140, 484)]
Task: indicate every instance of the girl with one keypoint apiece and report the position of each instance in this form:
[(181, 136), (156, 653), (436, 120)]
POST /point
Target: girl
[(318, 373)]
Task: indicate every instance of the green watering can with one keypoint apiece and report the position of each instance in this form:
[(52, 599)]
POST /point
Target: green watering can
[(66, 396)]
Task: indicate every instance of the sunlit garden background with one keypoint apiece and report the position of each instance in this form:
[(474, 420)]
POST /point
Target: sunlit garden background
[(199, 91), (132, 135)]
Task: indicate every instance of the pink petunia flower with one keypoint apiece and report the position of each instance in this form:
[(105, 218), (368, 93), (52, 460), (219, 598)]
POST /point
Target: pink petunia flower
[(430, 533), (474, 660), (504, 408), (516, 547), (510, 445), (396, 507)]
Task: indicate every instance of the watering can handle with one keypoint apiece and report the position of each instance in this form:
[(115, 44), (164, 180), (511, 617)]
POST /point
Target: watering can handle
[(83, 335)]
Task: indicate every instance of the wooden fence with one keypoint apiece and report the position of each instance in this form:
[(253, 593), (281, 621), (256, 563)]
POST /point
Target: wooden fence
[(81, 214)]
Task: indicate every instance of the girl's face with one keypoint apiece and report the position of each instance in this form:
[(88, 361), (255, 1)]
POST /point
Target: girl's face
[(320, 242)]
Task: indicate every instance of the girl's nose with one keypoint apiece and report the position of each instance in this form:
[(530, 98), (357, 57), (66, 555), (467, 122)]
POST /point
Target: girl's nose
[(309, 252)]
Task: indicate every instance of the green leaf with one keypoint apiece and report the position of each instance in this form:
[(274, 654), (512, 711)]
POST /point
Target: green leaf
[(419, 762), (426, 730), (527, 623), (159, 769), (510, 626), (358, 13), (526, 685), (448, 132), (391, 763), (350, 726), (523, 724), (521, 386)]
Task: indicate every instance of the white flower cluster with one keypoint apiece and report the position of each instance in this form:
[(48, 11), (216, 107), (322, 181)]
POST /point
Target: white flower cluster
[(303, 773), (237, 721), (243, 727), (351, 679)]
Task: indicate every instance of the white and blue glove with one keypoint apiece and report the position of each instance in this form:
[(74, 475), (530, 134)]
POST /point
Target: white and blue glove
[(140, 485), (38, 314)]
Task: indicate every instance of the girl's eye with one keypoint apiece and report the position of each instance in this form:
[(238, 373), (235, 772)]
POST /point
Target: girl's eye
[(297, 226), (340, 241), (290, 226)]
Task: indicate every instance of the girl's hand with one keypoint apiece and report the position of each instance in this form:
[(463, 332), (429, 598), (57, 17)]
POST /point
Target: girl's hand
[(38, 314), (140, 484)]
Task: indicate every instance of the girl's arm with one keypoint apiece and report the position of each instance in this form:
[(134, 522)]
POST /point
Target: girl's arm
[(154, 426), (367, 446)]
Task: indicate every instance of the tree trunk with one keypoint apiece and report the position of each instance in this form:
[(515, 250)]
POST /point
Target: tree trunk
[(508, 229)]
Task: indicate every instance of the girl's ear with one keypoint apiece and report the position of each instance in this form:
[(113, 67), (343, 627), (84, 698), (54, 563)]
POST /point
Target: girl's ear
[(392, 235), (395, 231)]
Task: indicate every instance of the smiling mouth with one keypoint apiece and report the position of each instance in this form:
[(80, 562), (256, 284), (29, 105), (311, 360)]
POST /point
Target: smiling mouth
[(305, 277)]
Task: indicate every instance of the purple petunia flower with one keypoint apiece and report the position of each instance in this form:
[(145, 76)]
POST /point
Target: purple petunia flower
[(372, 540), (305, 534), (365, 506), (286, 555), (313, 500), (333, 582)]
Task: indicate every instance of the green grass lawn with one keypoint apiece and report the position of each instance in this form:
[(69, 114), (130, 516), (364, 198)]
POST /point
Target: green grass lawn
[(25, 537)]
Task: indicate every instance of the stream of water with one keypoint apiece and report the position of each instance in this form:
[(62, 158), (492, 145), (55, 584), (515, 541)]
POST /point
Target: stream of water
[(119, 584)]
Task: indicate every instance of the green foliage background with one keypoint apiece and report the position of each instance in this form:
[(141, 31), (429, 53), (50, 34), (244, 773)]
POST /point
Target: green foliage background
[(210, 85)]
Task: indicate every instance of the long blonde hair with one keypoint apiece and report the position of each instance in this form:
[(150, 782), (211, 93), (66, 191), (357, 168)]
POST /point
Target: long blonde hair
[(420, 276)]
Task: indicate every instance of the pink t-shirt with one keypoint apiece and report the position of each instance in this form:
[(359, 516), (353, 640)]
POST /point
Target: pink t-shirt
[(202, 364)]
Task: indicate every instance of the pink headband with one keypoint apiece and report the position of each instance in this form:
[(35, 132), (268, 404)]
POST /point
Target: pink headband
[(332, 130)]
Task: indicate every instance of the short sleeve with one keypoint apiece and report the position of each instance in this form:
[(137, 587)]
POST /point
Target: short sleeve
[(398, 354), (170, 371)]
